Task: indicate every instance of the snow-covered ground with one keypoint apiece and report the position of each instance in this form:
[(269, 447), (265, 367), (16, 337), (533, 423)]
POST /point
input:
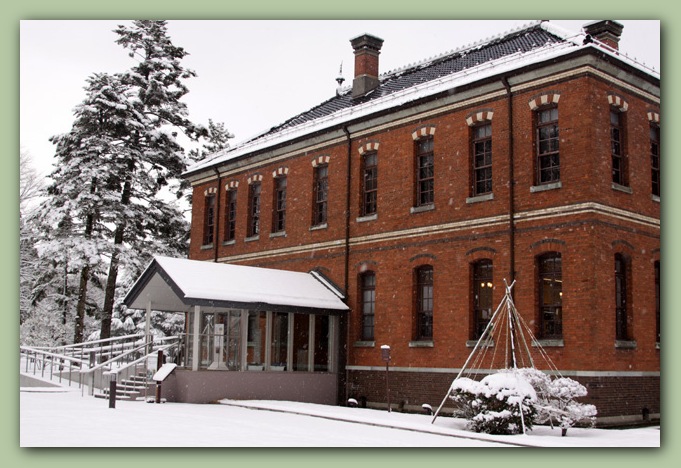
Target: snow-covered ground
[(61, 417)]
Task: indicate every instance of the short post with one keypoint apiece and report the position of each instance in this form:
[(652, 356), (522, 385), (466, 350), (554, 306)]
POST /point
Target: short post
[(385, 355), (112, 391), (93, 362), (159, 364)]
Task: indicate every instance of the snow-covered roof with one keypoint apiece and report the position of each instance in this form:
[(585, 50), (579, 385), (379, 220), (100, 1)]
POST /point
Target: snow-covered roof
[(173, 284), (533, 43)]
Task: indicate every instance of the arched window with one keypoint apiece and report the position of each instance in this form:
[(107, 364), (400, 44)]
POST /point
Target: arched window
[(622, 332), (547, 141), (482, 296), (620, 170), (655, 158), (425, 172), (230, 218), (369, 183), (368, 304), (254, 209), (279, 204), (424, 303), (321, 194), (550, 285), (481, 149), (209, 219)]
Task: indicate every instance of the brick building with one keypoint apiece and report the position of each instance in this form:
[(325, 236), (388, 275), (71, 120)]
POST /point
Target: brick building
[(533, 156)]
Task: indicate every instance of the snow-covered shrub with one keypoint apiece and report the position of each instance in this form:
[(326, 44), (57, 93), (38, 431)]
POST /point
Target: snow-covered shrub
[(556, 399), (570, 412), (501, 403)]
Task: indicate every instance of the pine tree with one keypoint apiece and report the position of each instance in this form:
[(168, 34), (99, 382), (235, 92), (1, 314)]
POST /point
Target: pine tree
[(74, 218), (154, 161)]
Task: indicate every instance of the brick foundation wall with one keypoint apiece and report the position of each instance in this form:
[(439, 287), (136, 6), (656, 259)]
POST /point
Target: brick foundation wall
[(619, 400)]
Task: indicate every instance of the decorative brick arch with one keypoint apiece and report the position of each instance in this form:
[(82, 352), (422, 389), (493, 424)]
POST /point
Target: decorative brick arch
[(210, 191), (550, 97), (480, 253), (424, 131), (366, 265), (484, 115), (618, 102), (282, 171), (321, 160), (429, 257), (368, 147), (232, 185), (621, 245), (254, 178), (547, 245)]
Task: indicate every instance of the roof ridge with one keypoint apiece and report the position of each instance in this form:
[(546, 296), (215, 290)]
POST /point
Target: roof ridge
[(459, 50)]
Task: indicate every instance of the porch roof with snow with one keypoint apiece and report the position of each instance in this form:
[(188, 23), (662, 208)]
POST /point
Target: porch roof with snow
[(175, 285)]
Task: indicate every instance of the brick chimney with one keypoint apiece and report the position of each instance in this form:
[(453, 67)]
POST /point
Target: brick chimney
[(367, 48), (606, 31)]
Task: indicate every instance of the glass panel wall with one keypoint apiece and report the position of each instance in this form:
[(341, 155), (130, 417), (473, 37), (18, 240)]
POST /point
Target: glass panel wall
[(301, 341), (322, 342), (257, 339), (275, 341), (279, 344)]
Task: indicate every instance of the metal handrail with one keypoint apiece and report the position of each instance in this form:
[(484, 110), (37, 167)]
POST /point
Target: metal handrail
[(83, 356)]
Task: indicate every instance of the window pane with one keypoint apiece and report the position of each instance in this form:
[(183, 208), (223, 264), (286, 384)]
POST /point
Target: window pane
[(550, 295), (279, 345)]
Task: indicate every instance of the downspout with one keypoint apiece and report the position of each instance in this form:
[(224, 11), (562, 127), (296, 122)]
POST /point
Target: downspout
[(511, 182), (217, 216), (344, 362), (347, 209)]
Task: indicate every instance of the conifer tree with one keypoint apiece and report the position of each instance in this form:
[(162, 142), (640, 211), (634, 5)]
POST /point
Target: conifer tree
[(144, 221)]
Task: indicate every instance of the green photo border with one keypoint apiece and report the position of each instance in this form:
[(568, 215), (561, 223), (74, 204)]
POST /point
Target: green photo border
[(308, 9)]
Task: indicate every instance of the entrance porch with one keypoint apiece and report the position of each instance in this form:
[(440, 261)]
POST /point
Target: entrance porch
[(250, 332)]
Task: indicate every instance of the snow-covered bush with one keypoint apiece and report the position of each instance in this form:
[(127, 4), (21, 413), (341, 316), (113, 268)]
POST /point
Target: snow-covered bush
[(501, 403), (556, 400)]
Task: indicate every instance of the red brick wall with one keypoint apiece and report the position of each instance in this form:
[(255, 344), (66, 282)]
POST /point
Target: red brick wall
[(587, 241)]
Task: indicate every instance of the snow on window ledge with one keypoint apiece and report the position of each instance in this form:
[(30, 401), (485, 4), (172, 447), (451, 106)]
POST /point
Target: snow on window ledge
[(480, 198), (317, 227), (422, 208), (484, 344), (364, 219), (625, 344), (229, 242), (278, 234), (252, 238), (544, 187), (364, 344), (422, 344), (549, 343), (655, 198), (207, 247), (622, 188)]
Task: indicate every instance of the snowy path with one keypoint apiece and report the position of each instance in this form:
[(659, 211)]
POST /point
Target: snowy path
[(66, 419)]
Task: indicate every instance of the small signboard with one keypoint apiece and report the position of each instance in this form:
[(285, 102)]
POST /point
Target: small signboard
[(164, 372)]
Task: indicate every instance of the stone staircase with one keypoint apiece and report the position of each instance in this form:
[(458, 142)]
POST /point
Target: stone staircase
[(135, 387)]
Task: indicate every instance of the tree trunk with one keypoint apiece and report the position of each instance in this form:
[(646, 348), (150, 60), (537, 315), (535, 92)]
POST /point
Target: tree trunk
[(110, 291), (84, 277), (80, 308)]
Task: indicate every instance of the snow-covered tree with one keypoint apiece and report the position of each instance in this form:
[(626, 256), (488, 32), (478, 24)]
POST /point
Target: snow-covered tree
[(216, 139), (145, 218), (76, 218), (117, 195), (500, 403)]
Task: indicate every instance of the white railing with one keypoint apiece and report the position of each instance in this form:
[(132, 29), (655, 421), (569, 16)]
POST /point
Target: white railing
[(92, 364)]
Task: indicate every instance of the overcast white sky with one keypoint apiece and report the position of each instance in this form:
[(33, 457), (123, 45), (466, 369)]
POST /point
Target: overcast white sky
[(251, 74)]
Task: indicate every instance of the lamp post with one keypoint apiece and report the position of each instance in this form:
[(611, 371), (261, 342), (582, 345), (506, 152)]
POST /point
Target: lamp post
[(385, 355)]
